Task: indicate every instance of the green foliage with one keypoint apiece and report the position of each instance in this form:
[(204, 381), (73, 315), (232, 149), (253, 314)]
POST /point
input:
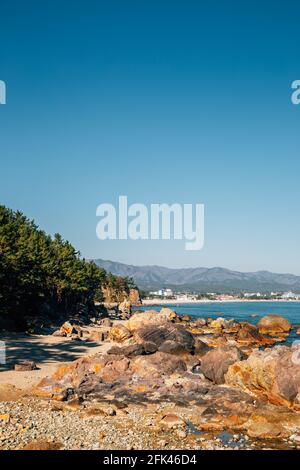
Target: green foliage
[(38, 271)]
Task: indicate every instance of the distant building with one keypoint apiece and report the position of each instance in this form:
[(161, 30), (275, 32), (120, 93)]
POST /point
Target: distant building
[(252, 294), (185, 297), (289, 295), (163, 293)]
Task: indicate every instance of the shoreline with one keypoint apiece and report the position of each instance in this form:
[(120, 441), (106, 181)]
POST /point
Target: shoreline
[(115, 418), (146, 302)]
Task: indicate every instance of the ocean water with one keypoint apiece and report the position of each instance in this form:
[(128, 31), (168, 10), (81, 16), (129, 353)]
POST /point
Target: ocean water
[(240, 311)]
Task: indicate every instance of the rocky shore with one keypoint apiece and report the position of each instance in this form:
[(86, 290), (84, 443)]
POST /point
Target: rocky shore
[(162, 381)]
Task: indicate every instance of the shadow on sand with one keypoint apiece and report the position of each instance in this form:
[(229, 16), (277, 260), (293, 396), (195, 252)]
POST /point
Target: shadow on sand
[(39, 350)]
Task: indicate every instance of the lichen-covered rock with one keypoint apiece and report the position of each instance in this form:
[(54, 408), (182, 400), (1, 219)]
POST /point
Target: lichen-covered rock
[(270, 422), (119, 333), (185, 318), (221, 322), (273, 372), (215, 363), (273, 325), (67, 329)]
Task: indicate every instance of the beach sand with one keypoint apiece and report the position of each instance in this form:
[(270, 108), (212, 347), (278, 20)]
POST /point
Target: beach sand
[(46, 351)]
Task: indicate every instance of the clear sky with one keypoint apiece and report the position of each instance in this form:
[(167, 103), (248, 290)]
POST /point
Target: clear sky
[(163, 101)]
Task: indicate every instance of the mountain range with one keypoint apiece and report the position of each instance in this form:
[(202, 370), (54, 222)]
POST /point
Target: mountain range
[(203, 279)]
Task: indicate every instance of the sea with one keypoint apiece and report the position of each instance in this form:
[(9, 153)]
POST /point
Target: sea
[(239, 311)]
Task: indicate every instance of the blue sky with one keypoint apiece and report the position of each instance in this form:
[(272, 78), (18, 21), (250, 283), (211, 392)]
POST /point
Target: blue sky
[(163, 101)]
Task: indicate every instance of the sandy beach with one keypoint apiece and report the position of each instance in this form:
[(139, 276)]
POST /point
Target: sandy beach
[(156, 381), (46, 351)]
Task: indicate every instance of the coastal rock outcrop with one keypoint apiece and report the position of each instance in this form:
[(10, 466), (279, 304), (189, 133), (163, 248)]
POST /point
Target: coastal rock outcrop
[(216, 362), (271, 422), (200, 347), (119, 333), (157, 364), (222, 323), (171, 314), (150, 317), (123, 376), (273, 372), (168, 337), (67, 329), (125, 309), (128, 351), (273, 325), (250, 334), (134, 296)]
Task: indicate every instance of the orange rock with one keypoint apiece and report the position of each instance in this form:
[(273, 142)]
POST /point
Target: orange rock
[(273, 325), (67, 328), (43, 445), (5, 418), (150, 317), (119, 333), (273, 372), (249, 334)]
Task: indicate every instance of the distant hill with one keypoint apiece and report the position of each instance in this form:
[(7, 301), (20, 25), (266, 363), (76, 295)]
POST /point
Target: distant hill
[(203, 279)]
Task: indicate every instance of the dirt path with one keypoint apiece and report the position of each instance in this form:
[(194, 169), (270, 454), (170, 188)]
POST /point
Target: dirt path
[(46, 351)]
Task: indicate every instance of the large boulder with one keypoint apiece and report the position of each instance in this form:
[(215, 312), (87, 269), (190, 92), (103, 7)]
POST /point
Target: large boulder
[(200, 348), (67, 329), (100, 374), (128, 351), (157, 364), (273, 422), (250, 334), (83, 376), (119, 333), (200, 322), (273, 325), (25, 365), (216, 362), (169, 312), (167, 337), (149, 317), (222, 323), (97, 336), (273, 372)]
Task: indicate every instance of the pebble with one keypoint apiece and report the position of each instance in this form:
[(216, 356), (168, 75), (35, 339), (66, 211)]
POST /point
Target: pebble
[(32, 422)]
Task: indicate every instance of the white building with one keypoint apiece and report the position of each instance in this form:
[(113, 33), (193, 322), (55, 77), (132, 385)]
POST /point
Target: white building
[(288, 295), (163, 293)]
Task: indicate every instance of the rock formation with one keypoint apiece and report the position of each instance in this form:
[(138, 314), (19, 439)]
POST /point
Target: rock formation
[(273, 325)]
